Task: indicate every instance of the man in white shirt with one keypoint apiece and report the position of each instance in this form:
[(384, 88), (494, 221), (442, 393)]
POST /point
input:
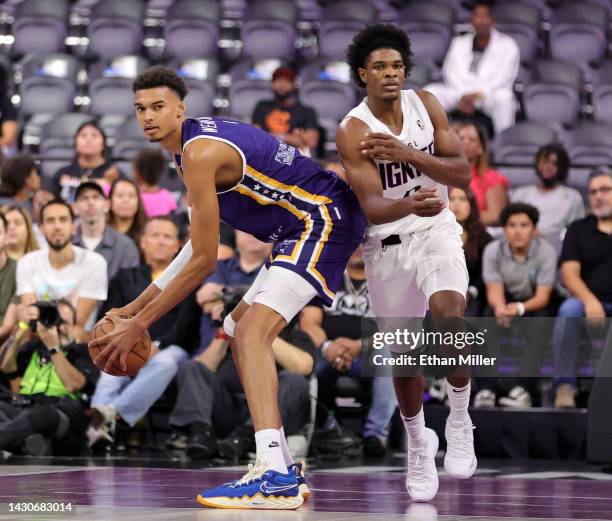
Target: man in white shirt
[(479, 71), (63, 271)]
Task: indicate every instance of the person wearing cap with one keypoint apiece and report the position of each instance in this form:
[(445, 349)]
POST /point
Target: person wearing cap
[(284, 116), (94, 233)]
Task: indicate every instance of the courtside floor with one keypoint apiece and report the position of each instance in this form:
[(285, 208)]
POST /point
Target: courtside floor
[(131, 489)]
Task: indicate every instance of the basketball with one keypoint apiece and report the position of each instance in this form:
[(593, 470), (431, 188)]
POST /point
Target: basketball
[(136, 358)]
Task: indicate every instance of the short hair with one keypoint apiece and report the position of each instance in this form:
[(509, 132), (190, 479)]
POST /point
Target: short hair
[(160, 76), (516, 208), (59, 202), (150, 165), (163, 218), (373, 37), (65, 302), (563, 160), (599, 171), (14, 173), (3, 221)]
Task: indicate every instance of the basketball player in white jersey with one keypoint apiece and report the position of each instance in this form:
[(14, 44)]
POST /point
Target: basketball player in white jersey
[(400, 156)]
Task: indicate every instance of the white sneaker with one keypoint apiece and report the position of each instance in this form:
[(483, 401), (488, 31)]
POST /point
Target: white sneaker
[(484, 398), (422, 479), (460, 460), (517, 397)]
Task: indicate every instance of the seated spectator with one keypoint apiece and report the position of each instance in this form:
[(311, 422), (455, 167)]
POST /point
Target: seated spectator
[(19, 181), (20, 236), (52, 375), (519, 273), (558, 204), (586, 268), (90, 163), (8, 121), (209, 405), (337, 332), (94, 234), (126, 213), (479, 71), (475, 237), (7, 284), (489, 186), (122, 401), (149, 165), (63, 271), (285, 117), (238, 271)]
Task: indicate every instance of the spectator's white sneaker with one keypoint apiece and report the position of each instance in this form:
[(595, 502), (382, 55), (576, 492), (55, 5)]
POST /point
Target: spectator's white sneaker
[(460, 460), (100, 434), (484, 398), (517, 397), (422, 479)]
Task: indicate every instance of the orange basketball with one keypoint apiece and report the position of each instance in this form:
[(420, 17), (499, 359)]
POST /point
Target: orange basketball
[(136, 358)]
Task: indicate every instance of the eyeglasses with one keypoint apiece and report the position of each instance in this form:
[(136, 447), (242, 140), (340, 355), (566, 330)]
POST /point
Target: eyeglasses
[(604, 190)]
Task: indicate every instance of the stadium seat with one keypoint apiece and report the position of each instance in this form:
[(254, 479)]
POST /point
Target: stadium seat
[(192, 29), (578, 32), (591, 144), (48, 84), (602, 93), (40, 26), (200, 76), (522, 22), (429, 25), (330, 99), (419, 76), (115, 28), (110, 89), (339, 23), (553, 92), (269, 29)]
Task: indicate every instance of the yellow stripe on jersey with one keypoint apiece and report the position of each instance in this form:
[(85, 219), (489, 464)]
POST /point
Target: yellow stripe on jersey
[(295, 190), (300, 214), (317, 252)]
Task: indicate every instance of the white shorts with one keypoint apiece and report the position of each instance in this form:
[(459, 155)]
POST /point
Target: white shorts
[(402, 278), (282, 290)]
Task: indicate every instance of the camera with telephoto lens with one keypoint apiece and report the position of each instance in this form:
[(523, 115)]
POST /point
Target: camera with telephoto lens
[(230, 296), (48, 315)]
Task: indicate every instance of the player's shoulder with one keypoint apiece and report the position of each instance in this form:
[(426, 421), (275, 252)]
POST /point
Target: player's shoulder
[(352, 129)]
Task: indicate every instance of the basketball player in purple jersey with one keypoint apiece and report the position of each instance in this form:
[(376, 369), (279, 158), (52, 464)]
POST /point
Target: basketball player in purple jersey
[(400, 156), (264, 187)]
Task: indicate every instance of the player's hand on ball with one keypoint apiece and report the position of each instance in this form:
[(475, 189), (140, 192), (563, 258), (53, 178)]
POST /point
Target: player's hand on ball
[(425, 203), (119, 342), (384, 147), (129, 309)]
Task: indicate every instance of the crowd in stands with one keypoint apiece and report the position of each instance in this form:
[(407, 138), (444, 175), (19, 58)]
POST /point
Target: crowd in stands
[(94, 234)]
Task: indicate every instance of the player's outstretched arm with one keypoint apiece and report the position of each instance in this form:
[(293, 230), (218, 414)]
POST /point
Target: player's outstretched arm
[(365, 180)]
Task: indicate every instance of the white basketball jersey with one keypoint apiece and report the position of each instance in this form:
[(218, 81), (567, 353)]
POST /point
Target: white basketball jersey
[(402, 179)]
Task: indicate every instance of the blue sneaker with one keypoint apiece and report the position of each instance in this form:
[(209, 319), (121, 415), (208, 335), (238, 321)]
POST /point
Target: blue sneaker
[(259, 488), (299, 468)]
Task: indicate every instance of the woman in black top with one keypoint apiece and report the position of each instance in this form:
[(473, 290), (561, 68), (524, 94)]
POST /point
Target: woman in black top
[(90, 163), (475, 238)]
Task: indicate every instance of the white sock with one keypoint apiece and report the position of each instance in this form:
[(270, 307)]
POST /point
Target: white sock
[(269, 448), (286, 452), (415, 428), (459, 400)]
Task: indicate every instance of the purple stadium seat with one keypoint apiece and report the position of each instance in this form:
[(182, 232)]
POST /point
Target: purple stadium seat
[(40, 26), (429, 25), (200, 76), (192, 29), (578, 32), (522, 22), (339, 23), (591, 144), (602, 93), (269, 29), (553, 93), (115, 28)]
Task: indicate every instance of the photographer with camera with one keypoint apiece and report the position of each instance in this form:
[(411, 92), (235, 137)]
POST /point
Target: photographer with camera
[(120, 401), (210, 402), (53, 376)]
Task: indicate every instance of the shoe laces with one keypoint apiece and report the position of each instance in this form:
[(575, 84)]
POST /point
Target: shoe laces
[(418, 470), (255, 471), (459, 440)]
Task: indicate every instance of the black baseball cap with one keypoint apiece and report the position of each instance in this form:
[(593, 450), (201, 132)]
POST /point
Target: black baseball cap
[(88, 185)]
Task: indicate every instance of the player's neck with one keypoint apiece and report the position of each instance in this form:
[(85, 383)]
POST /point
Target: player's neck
[(388, 112), (61, 258), (172, 142)]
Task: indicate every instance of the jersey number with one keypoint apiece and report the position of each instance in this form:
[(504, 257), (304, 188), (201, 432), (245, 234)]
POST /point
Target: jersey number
[(413, 189)]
